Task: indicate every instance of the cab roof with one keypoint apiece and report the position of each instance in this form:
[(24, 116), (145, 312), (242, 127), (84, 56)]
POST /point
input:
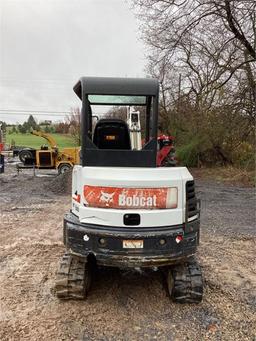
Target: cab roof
[(116, 86)]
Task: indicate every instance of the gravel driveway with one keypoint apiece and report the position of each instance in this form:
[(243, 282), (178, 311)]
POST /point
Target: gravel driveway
[(122, 305)]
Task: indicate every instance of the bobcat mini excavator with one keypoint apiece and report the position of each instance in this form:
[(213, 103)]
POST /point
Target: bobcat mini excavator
[(127, 212)]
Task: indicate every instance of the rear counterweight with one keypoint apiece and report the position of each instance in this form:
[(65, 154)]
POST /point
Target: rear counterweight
[(149, 246)]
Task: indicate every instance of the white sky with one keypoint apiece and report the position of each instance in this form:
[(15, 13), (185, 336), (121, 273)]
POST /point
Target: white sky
[(47, 45)]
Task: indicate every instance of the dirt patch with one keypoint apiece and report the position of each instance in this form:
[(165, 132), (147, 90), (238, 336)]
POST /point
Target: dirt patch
[(123, 305), (61, 184)]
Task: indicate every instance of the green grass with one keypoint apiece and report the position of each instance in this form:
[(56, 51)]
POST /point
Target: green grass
[(33, 141)]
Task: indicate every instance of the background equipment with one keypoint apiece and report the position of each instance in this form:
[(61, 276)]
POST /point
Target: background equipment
[(49, 156)]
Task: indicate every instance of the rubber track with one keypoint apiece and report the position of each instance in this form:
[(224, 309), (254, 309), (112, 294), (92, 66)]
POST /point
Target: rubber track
[(73, 278), (187, 283)]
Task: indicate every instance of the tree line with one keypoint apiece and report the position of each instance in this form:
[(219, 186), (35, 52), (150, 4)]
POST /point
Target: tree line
[(70, 125)]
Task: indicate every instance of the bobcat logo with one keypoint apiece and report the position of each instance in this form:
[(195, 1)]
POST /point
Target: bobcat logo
[(106, 197)]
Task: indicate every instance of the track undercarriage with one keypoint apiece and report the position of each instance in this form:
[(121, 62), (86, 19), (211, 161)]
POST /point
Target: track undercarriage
[(74, 278)]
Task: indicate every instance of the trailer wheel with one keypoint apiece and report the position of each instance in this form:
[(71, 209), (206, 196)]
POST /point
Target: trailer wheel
[(25, 154), (185, 283), (73, 278), (64, 167)]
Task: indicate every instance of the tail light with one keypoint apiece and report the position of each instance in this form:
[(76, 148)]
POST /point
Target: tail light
[(76, 197)]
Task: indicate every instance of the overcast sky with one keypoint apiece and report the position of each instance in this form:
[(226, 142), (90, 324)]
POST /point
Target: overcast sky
[(46, 45)]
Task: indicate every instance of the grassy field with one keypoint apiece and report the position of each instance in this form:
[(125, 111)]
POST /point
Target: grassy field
[(33, 141)]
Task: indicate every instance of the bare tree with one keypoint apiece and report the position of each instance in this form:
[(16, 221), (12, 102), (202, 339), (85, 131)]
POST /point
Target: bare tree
[(203, 53), (74, 122)]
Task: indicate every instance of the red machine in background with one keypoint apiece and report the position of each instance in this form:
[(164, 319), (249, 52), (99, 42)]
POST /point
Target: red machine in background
[(166, 151), (1, 139)]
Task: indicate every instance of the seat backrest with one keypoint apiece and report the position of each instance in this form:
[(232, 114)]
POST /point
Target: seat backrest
[(111, 134)]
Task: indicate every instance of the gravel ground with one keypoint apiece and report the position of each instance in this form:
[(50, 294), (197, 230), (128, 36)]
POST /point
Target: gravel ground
[(122, 305)]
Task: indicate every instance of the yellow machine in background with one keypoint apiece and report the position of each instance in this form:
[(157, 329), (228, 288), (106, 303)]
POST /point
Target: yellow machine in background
[(50, 158)]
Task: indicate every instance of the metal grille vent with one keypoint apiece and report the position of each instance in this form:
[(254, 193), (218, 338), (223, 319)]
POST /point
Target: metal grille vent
[(191, 200)]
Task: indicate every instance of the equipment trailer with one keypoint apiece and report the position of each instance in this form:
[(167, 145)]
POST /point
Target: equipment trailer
[(126, 211)]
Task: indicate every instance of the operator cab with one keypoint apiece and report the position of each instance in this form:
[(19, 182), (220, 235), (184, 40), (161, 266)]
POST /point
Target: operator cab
[(111, 145)]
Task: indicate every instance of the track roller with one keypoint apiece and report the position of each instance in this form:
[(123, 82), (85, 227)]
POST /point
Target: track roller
[(185, 283), (73, 278)]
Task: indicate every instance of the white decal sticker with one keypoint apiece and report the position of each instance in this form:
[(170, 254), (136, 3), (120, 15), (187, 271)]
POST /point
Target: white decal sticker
[(136, 201), (86, 238), (106, 197)]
